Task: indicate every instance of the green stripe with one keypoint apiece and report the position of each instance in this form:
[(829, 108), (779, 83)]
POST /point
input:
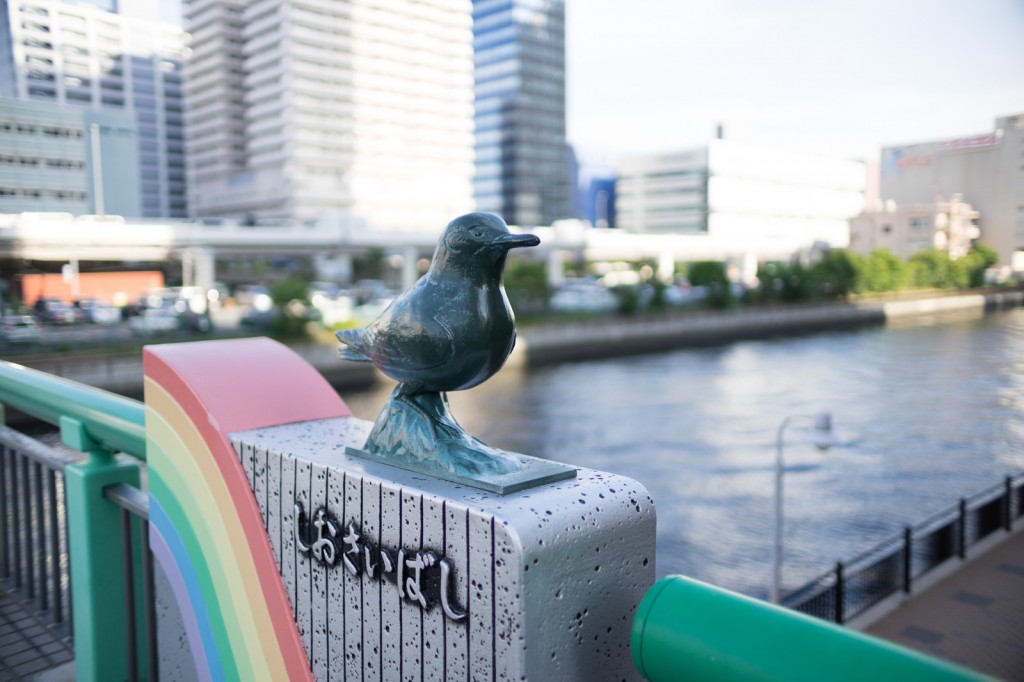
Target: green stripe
[(172, 505)]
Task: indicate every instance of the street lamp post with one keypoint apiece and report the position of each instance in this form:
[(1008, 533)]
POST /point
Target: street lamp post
[(823, 439)]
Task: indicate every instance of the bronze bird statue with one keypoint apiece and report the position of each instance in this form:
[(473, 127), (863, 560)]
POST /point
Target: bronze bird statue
[(450, 331)]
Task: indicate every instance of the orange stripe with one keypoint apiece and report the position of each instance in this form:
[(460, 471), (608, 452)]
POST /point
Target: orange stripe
[(280, 611)]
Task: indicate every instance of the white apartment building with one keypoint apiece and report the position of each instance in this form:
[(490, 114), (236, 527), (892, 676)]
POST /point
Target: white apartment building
[(297, 109), (756, 200), (986, 169), (81, 55), (951, 226)]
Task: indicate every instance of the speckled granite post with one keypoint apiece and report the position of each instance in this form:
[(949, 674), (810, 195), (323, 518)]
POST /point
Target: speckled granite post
[(537, 585)]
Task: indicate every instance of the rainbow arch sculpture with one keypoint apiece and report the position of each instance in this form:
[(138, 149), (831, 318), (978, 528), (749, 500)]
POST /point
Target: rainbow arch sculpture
[(207, 532)]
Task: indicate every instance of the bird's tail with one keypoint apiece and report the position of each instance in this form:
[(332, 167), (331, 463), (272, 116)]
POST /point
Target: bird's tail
[(350, 338)]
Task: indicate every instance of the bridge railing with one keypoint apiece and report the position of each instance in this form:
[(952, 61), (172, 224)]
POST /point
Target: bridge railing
[(893, 565), (685, 629), (89, 527), (64, 523)]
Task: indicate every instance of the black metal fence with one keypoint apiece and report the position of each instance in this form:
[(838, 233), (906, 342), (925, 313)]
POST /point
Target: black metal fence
[(34, 565), (854, 586), (135, 503)]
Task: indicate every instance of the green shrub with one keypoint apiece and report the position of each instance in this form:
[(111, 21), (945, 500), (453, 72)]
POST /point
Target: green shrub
[(835, 275), (933, 269)]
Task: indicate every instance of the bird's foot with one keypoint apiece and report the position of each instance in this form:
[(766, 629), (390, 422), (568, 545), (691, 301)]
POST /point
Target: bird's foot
[(421, 428)]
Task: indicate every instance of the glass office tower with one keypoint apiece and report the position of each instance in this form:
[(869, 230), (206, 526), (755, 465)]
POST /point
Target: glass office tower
[(522, 160)]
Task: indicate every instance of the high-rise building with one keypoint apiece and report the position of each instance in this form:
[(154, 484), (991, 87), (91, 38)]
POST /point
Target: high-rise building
[(742, 193), (986, 169), (301, 108), (522, 158), (51, 159), (85, 56)]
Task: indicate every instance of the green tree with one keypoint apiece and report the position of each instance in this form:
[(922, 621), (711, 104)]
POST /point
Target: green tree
[(797, 283), (789, 282), (933, 269), (527, 286), (291, 298), (836, 274), (979, 259), (628, 297), (369, 265), (704, 272), (711, 275), (882, 270)]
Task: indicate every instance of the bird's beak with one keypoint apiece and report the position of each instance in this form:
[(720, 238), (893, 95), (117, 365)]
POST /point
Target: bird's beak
[(512, 241)]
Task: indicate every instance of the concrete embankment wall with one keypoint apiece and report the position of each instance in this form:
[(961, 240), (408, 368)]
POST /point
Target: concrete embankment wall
[(622, 336), (999, 300)]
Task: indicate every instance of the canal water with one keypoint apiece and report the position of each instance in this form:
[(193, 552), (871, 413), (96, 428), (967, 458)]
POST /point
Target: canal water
[(928, 411)]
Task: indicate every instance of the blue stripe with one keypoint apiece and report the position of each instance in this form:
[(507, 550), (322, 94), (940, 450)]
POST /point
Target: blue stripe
[(205, 651)]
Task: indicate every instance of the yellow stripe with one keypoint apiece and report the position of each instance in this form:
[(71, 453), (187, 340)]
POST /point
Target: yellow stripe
[(194, 475)]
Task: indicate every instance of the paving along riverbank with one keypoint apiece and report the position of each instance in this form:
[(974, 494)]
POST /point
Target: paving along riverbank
[(598, 338)]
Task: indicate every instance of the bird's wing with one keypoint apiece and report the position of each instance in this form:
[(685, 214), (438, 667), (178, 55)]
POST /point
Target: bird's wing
[(411, 343), (354, 344)]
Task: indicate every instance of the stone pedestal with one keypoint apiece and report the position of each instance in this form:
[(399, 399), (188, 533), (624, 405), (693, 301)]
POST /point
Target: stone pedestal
[(394, 575)]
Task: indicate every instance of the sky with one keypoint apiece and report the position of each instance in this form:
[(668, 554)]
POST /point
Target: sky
[(837, 78)]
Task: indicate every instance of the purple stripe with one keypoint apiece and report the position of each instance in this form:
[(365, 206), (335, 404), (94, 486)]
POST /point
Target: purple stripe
[(164, 556)]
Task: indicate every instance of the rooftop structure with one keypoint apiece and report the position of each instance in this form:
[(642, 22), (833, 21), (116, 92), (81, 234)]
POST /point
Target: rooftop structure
[(83, 56), (299, 108), (986, 169), (522, 158)]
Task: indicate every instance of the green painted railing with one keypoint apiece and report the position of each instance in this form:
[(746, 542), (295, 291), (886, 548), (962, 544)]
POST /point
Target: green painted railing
[(98, 424), (109, 420), (687, 630)]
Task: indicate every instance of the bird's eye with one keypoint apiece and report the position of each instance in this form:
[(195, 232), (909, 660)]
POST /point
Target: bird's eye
[(478, 233)]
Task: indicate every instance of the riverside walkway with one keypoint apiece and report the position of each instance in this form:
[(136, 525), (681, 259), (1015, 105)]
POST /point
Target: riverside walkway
[(973, 616)]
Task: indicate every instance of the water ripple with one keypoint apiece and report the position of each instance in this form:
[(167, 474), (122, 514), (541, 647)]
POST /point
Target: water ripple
[(931, 413)]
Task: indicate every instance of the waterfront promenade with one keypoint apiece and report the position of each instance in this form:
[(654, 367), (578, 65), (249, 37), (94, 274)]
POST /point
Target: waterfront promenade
[(973, 616)]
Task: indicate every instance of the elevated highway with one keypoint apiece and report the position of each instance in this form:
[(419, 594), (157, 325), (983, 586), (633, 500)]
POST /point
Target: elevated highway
[(61, 237)]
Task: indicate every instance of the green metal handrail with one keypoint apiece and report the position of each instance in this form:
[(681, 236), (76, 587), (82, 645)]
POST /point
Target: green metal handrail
[(111, 420), (98, 424), (687, 630)]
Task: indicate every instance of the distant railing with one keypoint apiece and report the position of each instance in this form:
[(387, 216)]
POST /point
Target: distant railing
[(892, 566)]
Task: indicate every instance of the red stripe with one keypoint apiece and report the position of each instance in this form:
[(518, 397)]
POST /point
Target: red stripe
[(278, 606)]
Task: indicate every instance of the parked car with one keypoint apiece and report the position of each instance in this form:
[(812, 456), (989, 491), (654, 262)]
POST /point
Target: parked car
[(55, 311), (583, 296), (255, 296), (99, 312), (372, 291), (154, 321), (19, 329), (198, 322)]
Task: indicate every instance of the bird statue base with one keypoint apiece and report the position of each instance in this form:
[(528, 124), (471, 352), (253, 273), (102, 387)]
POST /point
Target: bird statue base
[(418, 433)]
